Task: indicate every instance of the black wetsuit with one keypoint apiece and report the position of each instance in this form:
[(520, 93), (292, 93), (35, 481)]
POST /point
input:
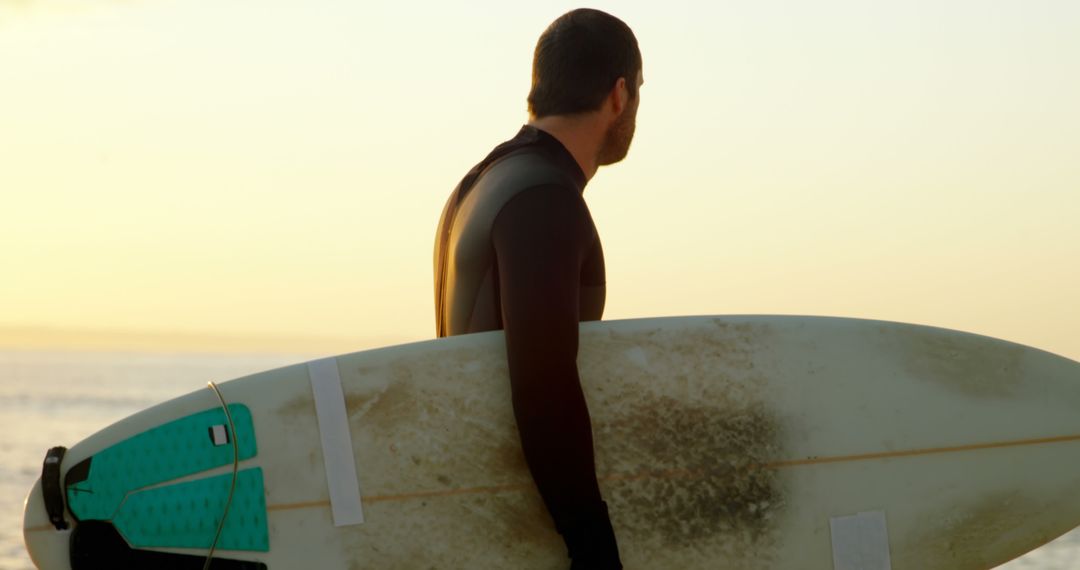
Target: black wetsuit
[(517, 250)]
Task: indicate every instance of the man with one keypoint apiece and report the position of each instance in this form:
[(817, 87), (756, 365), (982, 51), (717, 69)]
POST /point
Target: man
[(516, 249)]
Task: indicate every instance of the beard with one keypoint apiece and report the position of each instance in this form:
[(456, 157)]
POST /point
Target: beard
[(618, 137)]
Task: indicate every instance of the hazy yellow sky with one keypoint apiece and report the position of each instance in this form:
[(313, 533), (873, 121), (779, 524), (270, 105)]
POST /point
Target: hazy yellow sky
[(276, 168)]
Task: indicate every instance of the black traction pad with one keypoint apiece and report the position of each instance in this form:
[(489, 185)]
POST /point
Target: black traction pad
[(96, 545)]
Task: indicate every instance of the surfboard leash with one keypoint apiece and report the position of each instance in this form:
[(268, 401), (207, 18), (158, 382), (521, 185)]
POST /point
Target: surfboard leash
[(236, 468)]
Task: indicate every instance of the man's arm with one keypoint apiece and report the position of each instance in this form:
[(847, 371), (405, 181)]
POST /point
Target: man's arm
[(541, 237)]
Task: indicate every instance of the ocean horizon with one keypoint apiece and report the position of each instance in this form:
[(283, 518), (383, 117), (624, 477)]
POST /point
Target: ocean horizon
[(53, 397)]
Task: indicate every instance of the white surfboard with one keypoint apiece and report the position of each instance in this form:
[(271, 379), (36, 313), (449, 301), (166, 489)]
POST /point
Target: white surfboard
[(721, 442)]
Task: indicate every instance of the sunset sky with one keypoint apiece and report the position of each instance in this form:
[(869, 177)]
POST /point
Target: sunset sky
[(271, 172)]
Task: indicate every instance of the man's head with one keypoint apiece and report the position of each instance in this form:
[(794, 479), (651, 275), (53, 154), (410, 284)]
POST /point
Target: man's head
[(588, 61)]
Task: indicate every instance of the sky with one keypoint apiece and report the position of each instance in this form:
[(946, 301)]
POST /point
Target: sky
[(272, 171)]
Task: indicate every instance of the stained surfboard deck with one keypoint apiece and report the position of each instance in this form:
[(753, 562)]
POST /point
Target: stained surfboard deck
[(737, 442)]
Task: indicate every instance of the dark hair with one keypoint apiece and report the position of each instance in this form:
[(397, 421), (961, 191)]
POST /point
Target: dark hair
[(577, 61)]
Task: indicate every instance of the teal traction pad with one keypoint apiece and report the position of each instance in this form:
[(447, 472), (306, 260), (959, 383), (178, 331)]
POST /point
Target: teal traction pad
[(184, 515), (179, 448)]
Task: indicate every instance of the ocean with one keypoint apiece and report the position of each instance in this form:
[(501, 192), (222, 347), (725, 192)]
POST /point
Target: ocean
[(59, 398)]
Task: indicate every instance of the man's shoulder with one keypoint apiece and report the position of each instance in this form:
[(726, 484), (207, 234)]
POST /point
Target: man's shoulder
[(522, 169), (530, 179)]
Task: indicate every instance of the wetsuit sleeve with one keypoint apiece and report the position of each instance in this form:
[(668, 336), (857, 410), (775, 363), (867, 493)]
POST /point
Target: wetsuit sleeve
[(541, 237)]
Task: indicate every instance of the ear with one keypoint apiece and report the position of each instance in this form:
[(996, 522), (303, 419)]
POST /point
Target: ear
[(619, 96)]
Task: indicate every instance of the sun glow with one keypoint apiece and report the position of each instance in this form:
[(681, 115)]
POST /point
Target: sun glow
[(276, 169)]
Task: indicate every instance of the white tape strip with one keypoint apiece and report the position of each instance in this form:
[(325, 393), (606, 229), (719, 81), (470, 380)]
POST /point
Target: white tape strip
[(336, 442), (860, 542)]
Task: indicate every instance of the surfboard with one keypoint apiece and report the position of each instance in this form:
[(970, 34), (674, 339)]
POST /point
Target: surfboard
[(733, 442)]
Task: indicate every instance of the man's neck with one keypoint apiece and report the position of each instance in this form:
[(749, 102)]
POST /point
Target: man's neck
[(577, 134)]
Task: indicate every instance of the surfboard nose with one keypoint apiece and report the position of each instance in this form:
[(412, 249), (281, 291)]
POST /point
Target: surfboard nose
[(48, 547)]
